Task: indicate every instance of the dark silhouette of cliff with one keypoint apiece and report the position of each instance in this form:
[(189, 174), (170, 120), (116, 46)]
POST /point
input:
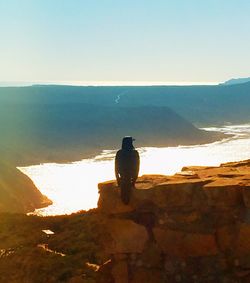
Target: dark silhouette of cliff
[(18, 194)]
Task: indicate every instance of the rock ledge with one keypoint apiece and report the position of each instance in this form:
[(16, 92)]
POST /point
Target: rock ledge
[(190, 227)]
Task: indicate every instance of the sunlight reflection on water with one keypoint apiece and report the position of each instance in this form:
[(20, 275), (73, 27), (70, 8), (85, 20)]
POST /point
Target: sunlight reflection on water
[(73, 186)]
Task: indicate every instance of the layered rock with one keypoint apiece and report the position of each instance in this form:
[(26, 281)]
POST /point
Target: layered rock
[(190, 227)]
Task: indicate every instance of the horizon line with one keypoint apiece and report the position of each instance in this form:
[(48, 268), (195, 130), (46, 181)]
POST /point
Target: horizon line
[(105, 83)]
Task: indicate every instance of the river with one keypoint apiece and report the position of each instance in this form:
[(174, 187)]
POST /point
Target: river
[(73, 186)]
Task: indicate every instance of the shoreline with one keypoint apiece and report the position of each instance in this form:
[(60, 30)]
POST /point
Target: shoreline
[(70, 156)]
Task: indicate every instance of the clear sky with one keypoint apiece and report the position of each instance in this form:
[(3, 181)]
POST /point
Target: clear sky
[(124, 40)]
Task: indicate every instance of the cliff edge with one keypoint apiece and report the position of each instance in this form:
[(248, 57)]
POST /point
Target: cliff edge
[(18, 194), (190, 227), (193, 227)]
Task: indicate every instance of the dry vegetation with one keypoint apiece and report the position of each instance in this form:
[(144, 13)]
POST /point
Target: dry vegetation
[(76, 236)]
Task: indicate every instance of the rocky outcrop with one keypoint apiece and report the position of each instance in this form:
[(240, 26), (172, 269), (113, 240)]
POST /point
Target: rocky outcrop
[(190, 227), (18, 194)]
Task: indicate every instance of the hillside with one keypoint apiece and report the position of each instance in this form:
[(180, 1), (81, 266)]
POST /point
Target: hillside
[(237, 81), (34, 132), (190, 227), (203, 105), (17, 191)]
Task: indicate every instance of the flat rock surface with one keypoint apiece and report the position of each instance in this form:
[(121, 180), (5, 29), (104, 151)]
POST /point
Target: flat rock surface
[(227, 185)]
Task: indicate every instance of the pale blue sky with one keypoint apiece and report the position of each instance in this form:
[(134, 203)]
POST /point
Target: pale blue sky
[(124, 40)]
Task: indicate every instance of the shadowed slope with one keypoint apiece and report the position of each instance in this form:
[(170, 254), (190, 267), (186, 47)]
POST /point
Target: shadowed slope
[(17, 191), (63, 132)]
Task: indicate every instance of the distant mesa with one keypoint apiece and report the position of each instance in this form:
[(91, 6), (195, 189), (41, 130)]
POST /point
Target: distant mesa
[(237, 81)]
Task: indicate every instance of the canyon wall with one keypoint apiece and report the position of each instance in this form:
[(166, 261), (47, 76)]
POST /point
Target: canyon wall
[(18, 194), (190, 227)]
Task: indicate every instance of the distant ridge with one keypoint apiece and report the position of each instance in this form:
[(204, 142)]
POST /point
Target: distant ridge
[(236, 81)]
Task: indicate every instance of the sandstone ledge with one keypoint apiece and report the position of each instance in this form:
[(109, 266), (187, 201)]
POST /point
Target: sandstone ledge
[(188, 227)]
